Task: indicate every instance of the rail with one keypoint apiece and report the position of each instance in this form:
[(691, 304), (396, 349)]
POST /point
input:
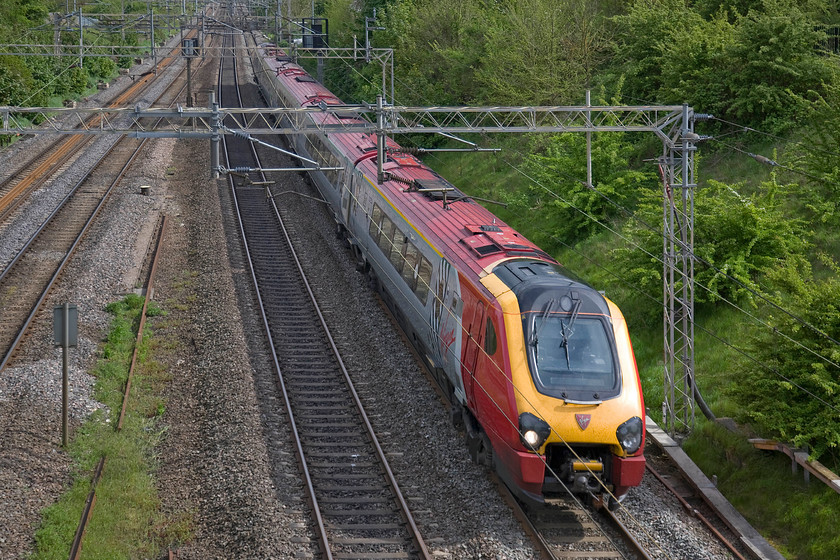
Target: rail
[(90, 502)]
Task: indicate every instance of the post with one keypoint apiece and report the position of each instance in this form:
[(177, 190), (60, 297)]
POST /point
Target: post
[(81, 39), (678, 275), (152, 27), (214, 139), (189, 82), (65, 374), (57, 34), (65, 334), (202, 34), (588, 141), (380, 139)]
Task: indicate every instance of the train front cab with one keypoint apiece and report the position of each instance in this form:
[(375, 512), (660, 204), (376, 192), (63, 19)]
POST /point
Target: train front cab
[(589, 432)]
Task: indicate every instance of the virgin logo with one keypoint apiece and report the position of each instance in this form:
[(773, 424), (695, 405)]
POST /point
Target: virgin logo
[(583, 420)]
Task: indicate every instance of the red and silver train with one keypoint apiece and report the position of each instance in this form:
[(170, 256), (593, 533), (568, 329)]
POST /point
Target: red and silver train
[(537, 364)]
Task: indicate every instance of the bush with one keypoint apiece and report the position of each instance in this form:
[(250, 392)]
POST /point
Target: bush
[(792, 389), (738, 241), (560, 196)]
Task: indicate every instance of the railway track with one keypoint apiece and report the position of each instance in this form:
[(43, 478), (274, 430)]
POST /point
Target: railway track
[(569, 531), (28, 278), (357, 507)]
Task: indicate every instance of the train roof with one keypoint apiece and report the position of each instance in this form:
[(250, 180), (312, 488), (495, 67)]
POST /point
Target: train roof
[(463, 231)]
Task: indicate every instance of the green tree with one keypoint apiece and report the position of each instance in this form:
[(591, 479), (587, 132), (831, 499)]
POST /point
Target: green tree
[(542, 52), (816, 154), (763, 69), (645, 41), (774, 66), (16, 81), (439, 47)]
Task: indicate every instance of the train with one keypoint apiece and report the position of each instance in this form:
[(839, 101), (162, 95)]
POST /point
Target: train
[(537, 365)]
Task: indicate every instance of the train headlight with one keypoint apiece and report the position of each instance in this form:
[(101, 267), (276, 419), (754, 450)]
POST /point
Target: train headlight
[(532, 431), (629, 434)]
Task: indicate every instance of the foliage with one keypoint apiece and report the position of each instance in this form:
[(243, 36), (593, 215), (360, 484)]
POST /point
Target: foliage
[(797, 517), (645, 39), (100, 67), (532, 52), (792, 389), (559, 196), (817, 152), (541, 52), (738, 239), (34, 80), (778, 66), (15, 81), (451, 37), (761, 68), (15, 14)]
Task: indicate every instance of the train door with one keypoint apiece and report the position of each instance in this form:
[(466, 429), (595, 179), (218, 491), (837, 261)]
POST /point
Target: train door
[(446, 310), (347, 194), (474, 326)]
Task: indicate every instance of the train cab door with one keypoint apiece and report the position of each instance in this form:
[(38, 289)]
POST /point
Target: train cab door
[(474, 324)]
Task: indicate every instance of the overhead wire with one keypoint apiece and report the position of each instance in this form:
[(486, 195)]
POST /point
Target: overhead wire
[(767, 161), (699, 259), (716, 294), (692, 254), (69, 67), (403, 288), (772, 370)]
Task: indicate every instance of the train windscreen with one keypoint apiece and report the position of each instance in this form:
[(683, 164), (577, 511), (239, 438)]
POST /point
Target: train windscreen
[(572, 357)]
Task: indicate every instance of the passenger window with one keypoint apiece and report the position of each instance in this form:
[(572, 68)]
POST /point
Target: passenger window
[(397, 249), (375, 217), (424, 279), (490, 338), (387, 233), (409, 270)]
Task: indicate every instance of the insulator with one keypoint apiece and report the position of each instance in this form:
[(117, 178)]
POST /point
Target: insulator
[(762, 159), (391, 177), (703, 116), (242, 169)]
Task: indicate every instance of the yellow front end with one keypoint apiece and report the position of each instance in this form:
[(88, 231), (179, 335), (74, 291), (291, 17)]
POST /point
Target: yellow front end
[(582, 432)]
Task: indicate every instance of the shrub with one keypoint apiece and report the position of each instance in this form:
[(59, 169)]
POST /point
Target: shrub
[(792, 388)]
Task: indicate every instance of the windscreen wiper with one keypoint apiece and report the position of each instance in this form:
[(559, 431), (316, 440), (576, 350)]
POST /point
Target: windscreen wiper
[(549, 307), (568, 331)]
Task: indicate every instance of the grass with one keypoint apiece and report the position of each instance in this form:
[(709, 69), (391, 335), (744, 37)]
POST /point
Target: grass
[(798, 518), (125, 522)]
